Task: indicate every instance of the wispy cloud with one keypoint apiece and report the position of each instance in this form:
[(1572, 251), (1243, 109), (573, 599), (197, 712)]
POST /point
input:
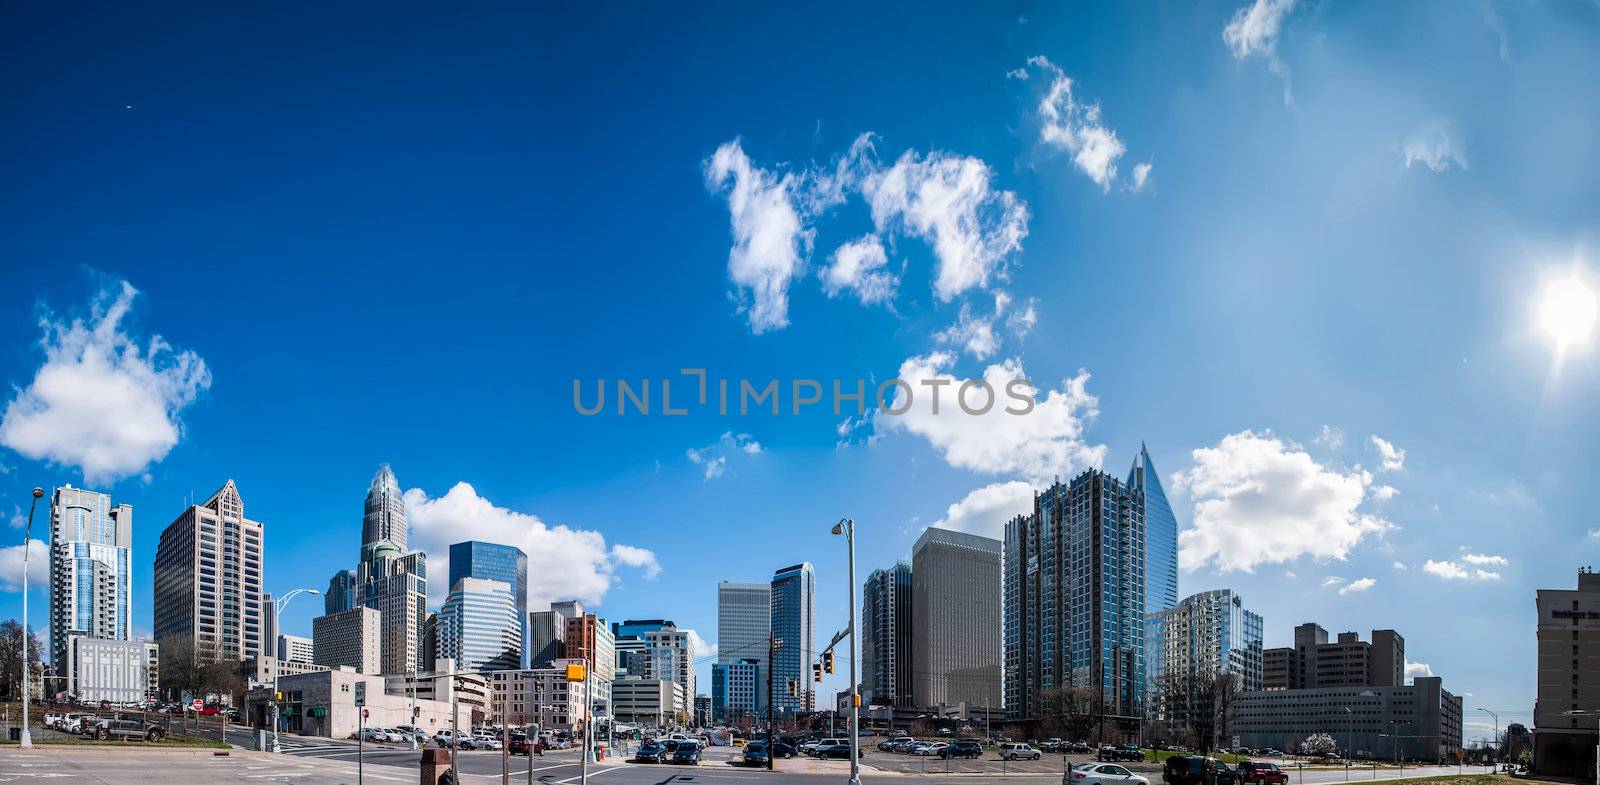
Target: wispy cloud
[(1070, 123), (1254, 31)]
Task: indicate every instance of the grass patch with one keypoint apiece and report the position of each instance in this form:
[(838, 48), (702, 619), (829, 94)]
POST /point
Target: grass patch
[(1226, 757), (174, 740)]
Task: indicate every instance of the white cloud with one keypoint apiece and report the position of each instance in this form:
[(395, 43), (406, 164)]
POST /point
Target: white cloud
[(11, 566), (17, 519), (101, 402), (1043, 443), (1594, 534), (1359, 585), (1384, 493), (858, 266), (1330, 437), (974, 333), (1068, 124), (770, 240), (1024, 319), (1433, 146), (1454, 571), (702, 648), (1259, 500), (948, 201), (1331, 580), (1390, 457), (714, 457), (1254, 31), (563, 563), (1399, 566), (1482, 559), (985, 511), (1141, 175), (1415, 669)]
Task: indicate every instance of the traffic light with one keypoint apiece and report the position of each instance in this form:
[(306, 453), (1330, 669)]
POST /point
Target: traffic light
[(278, 696), (816, 671), (576, 671), (827, 662)]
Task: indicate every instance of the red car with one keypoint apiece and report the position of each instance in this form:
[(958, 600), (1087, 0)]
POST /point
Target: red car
[(1258, 773), (205, 712), (520, 746)]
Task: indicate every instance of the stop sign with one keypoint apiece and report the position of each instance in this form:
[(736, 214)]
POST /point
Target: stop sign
[(199, 704)]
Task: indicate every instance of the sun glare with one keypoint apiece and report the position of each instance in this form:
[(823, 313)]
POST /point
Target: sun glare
[(1566, 311)]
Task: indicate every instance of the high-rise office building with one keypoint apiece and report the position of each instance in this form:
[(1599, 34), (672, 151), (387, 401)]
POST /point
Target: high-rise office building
[(495, 562), (669, 654), (91, 574), (1160, 535), (1206, 636), (208, 577), (478, 626), (636, 628), (955, 619), (547, 638), (886, 662), (1314, 662), (735, 687), (294, 648), (1566, 706), (1075, 592), (353, 638), (589, 639), (388, 579), (744, 622), (794, 624)]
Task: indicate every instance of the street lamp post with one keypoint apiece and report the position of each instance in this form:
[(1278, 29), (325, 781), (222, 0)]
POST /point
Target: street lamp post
[(1349, 738), (277, 665), (27, 670), (1495, 739), (847, 527)]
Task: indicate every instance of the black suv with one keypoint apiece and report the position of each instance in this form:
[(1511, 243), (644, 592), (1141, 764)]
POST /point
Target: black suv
[(1128, 752), (1195, 770), (962, 749), (127, 729)]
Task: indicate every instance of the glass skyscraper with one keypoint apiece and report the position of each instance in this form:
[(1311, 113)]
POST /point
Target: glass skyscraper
[(886, 662), (495, 562), (1204, 636), (90, 572), (478, 626), (1160, 536), (794, 623)]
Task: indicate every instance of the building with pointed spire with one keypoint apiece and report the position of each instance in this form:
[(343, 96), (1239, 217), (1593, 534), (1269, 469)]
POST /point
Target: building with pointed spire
[(1160, 535), (208, 577)]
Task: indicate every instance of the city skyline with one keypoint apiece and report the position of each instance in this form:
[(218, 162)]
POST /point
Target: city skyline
[(1317, 267)]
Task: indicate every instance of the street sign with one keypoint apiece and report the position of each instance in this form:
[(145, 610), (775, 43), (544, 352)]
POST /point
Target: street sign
[(361, 694), (198, 704), (365, 714)]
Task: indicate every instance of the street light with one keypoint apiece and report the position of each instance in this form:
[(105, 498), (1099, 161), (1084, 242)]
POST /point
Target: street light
[(277, 665), (1495, 739), (847, 527), (27, 671)]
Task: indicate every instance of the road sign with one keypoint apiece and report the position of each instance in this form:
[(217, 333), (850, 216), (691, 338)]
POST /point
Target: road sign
[(198, 704), (365, 714), (361, 693)]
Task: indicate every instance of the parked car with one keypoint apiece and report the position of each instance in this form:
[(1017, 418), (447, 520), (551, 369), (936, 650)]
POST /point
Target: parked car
[(962, 749), (1195, 770), (755, 754), (929, 748), (1076, 748), (484, 741), (1101, 774), (1051, 745), (520, 745), (1128, 752), (1257, 772), (652, 752), (1018, 751), (462, 740), (687, 752), (127, 728)]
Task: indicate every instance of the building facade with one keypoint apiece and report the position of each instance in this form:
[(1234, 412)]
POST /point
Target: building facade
[(110, 670), (955, 619), (388, 578), (1314, 662), (1566, 708), (589, 639), (208, 577), (479, 626), (744, 625), (1075, 589), (91, 573), (342, 594), (794, 624), (647, 703), (1205, 636), (322, 704), (496, 562), (294, 648), (1419, 722), (886, 661), (538, 696), (735, 687), (547, 637), (352, 638), (669, 654)]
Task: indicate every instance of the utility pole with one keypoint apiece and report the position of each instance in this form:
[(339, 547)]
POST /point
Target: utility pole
[(773, 644), (847, 526), (27, 635)]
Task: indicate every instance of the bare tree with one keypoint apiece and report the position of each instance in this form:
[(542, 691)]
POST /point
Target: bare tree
[(11, 638)]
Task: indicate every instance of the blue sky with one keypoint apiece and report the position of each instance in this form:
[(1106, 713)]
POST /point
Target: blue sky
[(400, 237)]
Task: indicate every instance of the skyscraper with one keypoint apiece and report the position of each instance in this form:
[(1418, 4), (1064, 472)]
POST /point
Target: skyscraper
[(886, 661), (1207, 635), (794, 615), (744, 623), (955, 619), (495, 562), (1160, 537), (208, 577), (1075, 591), (91, 576), (547, 638), (387, 579), (479, 626), (669, 654)]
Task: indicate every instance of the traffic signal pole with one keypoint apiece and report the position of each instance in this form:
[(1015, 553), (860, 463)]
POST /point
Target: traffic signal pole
[(772, 736)]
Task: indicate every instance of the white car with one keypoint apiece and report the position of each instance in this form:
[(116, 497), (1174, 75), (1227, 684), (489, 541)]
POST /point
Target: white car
[(1101, 774), (1018, 752), (484, 741), (929, 748)]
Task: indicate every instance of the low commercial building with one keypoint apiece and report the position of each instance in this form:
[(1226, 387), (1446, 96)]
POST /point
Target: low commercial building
[(538, 696), (324, 704), (259, 670), (466, 689), (110, 670), (648, 703), (1346, 662), (1566, 708), (1418, 722), (295, 648)]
